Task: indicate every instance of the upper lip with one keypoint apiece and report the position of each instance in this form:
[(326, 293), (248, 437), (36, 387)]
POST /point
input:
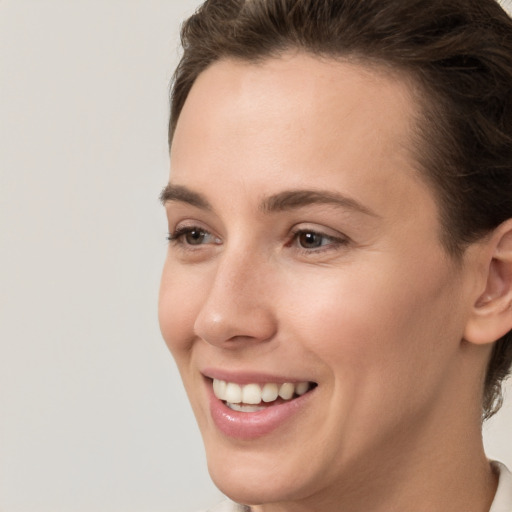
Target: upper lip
[(249, 377)]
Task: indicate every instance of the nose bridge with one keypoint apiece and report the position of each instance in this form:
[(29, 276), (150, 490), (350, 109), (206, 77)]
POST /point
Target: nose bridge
[(237, 305)]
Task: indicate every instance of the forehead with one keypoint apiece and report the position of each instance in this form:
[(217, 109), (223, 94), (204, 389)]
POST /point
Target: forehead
[(301, 75), (313, 116), (269, 92)]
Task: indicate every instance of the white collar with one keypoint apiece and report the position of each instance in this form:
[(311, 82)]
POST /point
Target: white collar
[(503, 498)]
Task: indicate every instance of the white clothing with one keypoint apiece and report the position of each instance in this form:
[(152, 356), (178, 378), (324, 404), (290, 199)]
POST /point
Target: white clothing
[(502, 500)]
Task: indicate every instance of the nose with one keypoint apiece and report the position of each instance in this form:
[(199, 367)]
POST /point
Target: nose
[(238, 304)]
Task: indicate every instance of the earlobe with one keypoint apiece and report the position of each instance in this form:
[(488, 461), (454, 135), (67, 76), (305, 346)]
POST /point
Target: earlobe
[(491, 316)]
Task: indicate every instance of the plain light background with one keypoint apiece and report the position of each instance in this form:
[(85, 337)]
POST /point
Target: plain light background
[(93, 416)]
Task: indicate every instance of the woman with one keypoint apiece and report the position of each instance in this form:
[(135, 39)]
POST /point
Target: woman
[(338, 288)]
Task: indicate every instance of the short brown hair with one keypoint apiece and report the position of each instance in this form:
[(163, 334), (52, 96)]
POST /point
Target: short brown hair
[(459, 52)]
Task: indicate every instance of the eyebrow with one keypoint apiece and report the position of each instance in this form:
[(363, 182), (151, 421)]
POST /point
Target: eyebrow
[(283, 201), (294, 199), (184, 195)]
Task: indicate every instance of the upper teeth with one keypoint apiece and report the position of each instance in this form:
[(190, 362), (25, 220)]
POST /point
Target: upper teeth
[(254, 394)]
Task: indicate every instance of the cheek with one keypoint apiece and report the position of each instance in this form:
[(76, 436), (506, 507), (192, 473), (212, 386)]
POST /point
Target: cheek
[(177, 310), (380, 325), (377, 339)]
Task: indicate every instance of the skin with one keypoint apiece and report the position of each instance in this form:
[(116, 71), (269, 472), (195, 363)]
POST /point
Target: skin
[(376, 314)]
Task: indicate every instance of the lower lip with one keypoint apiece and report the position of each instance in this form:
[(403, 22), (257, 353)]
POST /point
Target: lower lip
[(252, 425)]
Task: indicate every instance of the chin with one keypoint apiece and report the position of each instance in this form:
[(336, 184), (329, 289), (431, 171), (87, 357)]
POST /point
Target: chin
[(253, 488), (250, 477)]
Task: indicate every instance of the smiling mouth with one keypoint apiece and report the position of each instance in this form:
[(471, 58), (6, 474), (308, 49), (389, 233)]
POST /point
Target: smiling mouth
[(258, 397)]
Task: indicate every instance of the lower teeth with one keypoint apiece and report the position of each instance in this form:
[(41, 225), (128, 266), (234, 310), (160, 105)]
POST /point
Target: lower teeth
[(245, 408)]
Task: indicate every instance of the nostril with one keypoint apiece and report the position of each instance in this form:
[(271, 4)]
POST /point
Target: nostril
[(235, 326)]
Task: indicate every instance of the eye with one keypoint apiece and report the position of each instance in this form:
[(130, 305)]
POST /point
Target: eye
[(193, 235), (314, 241)]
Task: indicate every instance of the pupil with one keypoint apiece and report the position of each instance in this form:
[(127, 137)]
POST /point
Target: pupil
[(310, 240), (195, 237)]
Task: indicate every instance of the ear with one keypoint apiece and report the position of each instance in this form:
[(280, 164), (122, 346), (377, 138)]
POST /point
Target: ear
[(491, 316)]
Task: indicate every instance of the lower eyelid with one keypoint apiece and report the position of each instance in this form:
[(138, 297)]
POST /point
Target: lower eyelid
[(331, 243)]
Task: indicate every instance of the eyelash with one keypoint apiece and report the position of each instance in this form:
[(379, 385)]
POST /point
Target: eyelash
[(178, 238)]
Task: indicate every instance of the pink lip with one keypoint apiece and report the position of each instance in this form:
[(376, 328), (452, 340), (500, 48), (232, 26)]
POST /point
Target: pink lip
[(253, 425), (248, 377)]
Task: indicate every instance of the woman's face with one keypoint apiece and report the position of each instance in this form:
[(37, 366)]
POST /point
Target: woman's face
[(306, 256)]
